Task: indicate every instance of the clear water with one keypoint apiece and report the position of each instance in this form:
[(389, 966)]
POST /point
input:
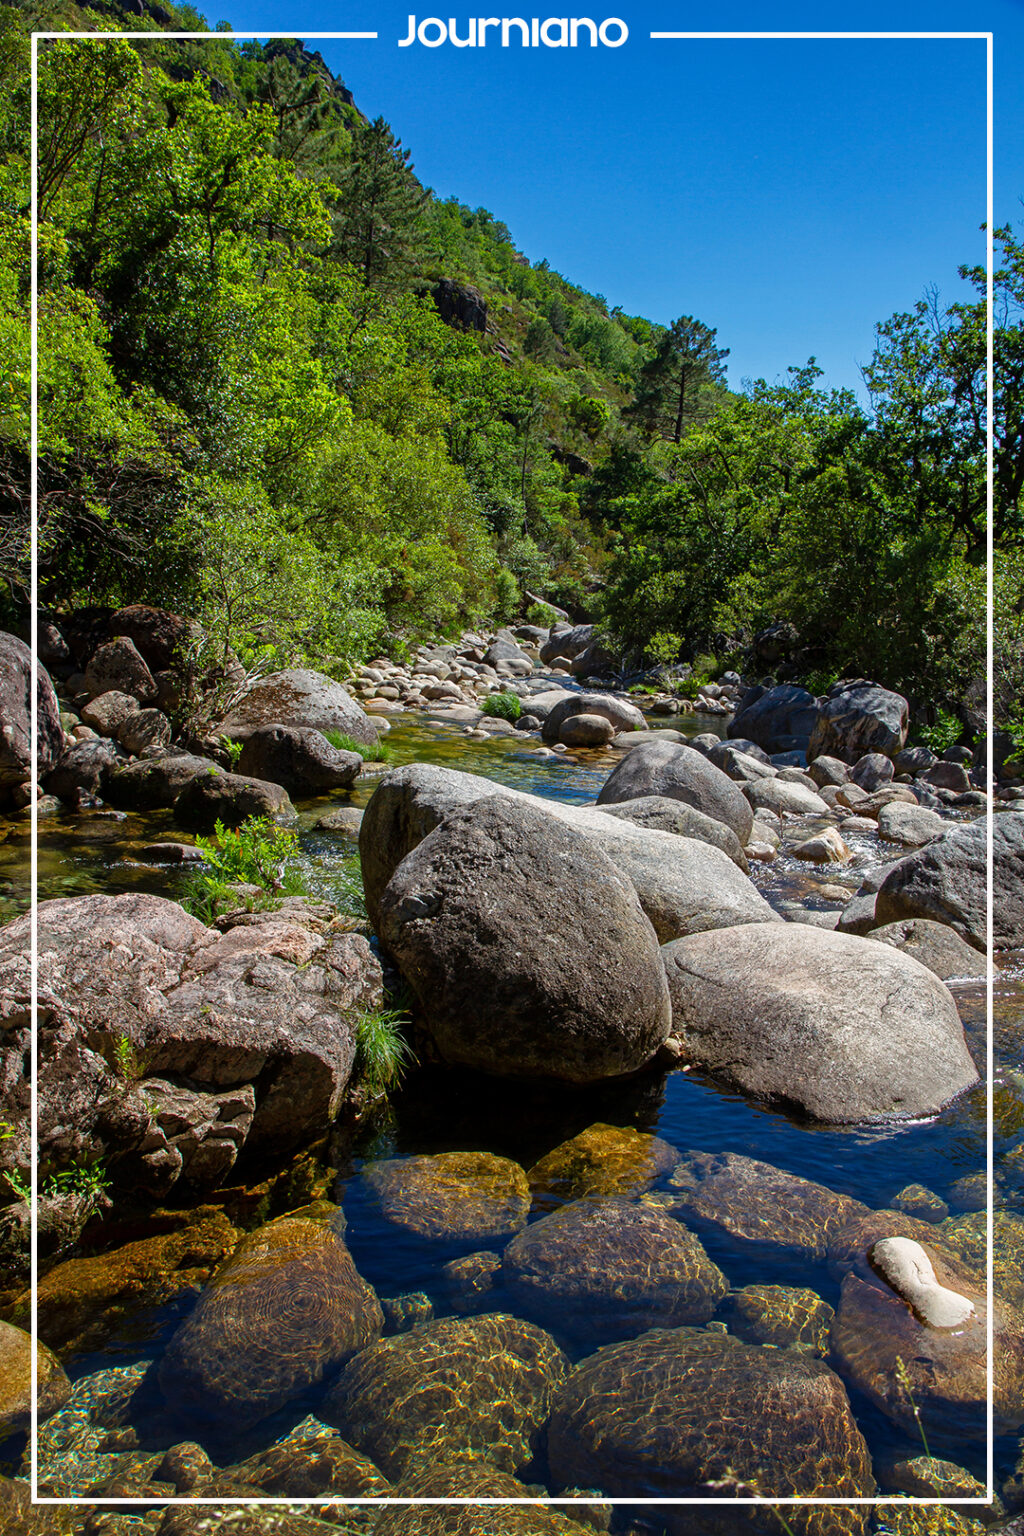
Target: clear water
[(438, 1110)]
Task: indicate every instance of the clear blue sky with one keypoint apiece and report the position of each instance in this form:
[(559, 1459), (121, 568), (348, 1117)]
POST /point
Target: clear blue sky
[(790, 193)]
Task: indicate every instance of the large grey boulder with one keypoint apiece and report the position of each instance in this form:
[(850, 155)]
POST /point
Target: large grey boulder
[(665, 815), (621, 714), (231, 798), (299, 697), (684, 886), (910, 825), (935, 945), (568, 642), (844, 1029), (160, 637), (299, 758), (83, 770), (571, 989), (778, 719), (269, 1002), (946, 881), (16, 716), (154, 783), (679, 773), (856, 717)]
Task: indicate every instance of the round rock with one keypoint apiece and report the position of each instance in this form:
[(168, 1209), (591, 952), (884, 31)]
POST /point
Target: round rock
[(602, 1160), (505, 983), (843, 1028), (279, 1315), (452, 1196), (679, 773)]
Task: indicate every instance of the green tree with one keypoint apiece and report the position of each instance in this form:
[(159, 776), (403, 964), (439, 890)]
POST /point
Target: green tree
[(377, 214), (674, 389)]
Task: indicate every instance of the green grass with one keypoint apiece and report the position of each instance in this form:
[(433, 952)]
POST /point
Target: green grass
[(379, 752), (382, 1052), (502, 706)]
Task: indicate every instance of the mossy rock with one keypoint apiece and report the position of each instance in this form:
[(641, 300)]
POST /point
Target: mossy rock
[(52, 1385), (917, 1200), (781, 1315), (699, 1414), (464, 1480), (602, 1160), (20, 1517), (609, 1269), (83, 1302), (967, 1236), (233, 1520), (926, 1520), (455, 1197), (469, 1281), (928, 1477), (283, 1311), (480, 1386)]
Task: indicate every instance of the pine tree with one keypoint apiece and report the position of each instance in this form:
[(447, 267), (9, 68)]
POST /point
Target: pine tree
[(378, 214), (673, 387)]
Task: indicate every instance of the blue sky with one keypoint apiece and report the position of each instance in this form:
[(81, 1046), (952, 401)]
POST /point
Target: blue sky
[(790, 193)]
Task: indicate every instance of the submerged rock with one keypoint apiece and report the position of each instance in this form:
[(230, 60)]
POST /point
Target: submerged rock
[(470, 1480), (781, 1315), (758, 1207), (477, 1387), (678, 772), (843, 1028), (609, 1269), (505, 986), (698, 1414), (452, 1196), (279, 1315), (52, 1386), (602, 1160)]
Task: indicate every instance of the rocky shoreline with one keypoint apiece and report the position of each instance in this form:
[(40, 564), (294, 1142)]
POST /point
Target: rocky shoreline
[(597, 1309)]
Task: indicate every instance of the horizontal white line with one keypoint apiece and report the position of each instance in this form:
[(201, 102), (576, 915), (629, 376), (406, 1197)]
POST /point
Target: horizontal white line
[(913, 36), (209, 37)]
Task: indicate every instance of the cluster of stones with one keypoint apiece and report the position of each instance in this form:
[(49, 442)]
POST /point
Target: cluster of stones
[(576, 1312)]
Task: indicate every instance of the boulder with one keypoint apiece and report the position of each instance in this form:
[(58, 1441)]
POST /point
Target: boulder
[(622, 715), (541, 704), (663, 814), (934, 945), (951, 776), (156, 782), (108, 712), (871, 771), (825, 848), (586, 731), (906, 1366), (478, 1387), (16, 716), (601, 1269), (783, 797), (454, 1197), (504, 648), (857, 716), (596, 661), (778, 719), (470, 1480), (754, 1209), (684, 886), (602, 1160), (144, 729), (299, 758), (117, 666), (299, 697), (83, 770), (269, 1002), (695, 1414), (740, 765), (284, 1311), (505, 986), (909, 825), (783, 1316), (844, 1029), (678, 772), (828, 770), (160, 637), (231, 798), (946, 882), (569, 643)]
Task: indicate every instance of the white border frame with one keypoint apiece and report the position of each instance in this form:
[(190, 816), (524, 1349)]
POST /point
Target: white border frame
[(300, 33)]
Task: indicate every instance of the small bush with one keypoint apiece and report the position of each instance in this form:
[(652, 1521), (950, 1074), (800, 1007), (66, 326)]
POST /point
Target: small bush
[(541, 615), (382, 1052), (502, 706), (233, 748), (379, 752), (663, 648), (258, 853)]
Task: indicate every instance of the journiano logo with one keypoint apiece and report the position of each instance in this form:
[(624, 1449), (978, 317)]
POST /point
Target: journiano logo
[(512, 31)]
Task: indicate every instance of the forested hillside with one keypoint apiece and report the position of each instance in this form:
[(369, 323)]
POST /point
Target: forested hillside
[(287, 390)]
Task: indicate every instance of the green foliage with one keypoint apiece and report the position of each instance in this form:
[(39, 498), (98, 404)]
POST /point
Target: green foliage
[(258, 853), (944, 733), (502, 706), (234, 749), (664, 647), (382, 1053), (377, 752)]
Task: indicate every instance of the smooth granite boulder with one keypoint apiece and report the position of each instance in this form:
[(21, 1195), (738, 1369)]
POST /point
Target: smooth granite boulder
[(679, 773)]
